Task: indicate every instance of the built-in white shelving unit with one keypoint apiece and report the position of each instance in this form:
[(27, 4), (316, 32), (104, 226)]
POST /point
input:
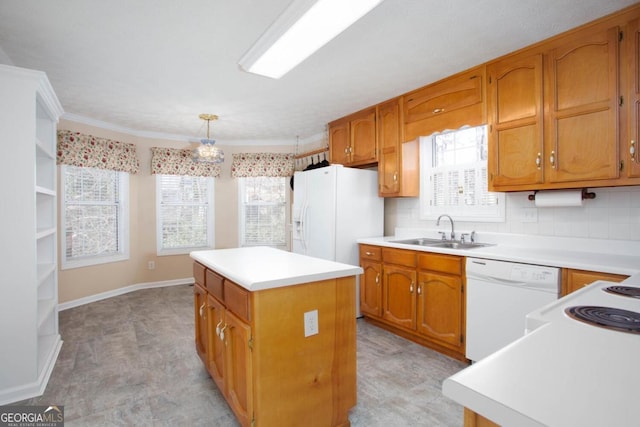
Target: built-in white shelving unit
[(29, 112)]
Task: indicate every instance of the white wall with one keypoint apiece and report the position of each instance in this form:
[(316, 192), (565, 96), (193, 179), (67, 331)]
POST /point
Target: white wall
[(613, 214)]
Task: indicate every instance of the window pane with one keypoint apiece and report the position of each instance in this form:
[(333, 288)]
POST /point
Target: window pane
[(263, 206), (454, 178), (184, 212), (92, 212)]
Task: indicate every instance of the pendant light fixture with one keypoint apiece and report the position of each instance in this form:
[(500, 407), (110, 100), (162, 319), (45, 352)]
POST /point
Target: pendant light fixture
[(207, 152)]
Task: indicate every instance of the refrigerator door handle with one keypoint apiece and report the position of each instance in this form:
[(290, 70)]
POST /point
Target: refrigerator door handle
[(303, 222)]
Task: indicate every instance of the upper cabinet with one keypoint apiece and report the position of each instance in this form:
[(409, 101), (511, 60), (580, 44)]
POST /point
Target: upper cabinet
[(514, 101), (631, 144), (581, 97), (553, 115), (352, 139), (447, 104), (398, 163)]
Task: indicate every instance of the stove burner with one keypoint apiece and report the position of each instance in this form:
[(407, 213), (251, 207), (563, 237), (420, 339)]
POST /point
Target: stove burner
[(606, 317), (625, 291)]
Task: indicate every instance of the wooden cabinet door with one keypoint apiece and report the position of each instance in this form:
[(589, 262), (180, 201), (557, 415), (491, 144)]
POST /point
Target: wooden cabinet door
[(581, 97), (371, 288), (200, 308), (363, 138), (389, 143), (631, 147), (216, 349), (448, 104), (339, 143), (239, 368), (572, 280), (399, 296), (440, 308), (515, 109)]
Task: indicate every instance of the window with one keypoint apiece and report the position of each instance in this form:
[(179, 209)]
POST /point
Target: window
[(184, 213), (263, 205), (454, 177), (95, 216)]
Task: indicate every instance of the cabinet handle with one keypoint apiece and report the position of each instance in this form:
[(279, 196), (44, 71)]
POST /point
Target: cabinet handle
[(411, 288), (218, 327), (539, 160), (221, 334), (395, 177), (438, 110), (346, 149), (552, 158), (378, 279), (202, 309), (632, 150), (368, 253), (420, 289)]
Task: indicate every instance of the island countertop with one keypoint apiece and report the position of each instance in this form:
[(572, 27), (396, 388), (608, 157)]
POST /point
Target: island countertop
[(258, 268)]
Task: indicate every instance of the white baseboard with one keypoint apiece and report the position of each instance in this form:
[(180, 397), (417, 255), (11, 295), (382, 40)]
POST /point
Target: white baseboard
[(121, 291)]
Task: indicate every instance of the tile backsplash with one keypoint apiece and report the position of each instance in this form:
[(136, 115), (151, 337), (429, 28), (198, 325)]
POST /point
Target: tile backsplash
[(613, 214)]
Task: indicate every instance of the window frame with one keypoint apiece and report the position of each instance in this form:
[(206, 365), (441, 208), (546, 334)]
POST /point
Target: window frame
[(123, 224), (476, 213), (160, 251), (242, 214)]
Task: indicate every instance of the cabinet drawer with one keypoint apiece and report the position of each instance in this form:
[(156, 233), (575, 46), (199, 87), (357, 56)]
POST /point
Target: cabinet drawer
[(198, 273), (236, 299), (371, 253), (443, 263), (399, 257), (214, 284)]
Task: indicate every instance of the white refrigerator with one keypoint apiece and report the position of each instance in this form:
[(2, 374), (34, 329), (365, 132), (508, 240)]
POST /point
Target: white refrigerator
[(332, 207)]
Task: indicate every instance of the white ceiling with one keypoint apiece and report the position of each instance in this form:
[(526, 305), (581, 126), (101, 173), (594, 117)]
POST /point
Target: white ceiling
[(151, 66)]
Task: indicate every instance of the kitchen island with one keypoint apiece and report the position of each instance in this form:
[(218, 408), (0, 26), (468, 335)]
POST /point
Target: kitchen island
[(277, 333)]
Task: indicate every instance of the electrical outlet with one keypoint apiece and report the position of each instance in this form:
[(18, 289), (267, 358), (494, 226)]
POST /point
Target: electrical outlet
[(152, 265), (310, 323), (528, 214)]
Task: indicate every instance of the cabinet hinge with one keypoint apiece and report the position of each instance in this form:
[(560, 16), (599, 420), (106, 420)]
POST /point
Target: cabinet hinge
[(621, 165), (253, 420), (462, 288), (621, 101), (250, 343), (489, 79), (461, 339), (620, 36)]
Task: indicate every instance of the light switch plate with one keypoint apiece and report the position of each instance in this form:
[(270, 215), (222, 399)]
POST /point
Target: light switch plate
[(310, 323)]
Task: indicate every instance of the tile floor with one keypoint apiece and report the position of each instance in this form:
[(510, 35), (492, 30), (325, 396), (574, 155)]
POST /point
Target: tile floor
[(130, 361)]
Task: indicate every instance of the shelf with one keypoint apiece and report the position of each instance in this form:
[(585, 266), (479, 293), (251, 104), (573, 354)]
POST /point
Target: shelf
[(48, 348), (44, 150), (45, 232), (46, 308), (45, 191)]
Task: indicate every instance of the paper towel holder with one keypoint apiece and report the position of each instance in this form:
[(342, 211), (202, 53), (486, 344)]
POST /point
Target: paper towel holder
[(585, 195)]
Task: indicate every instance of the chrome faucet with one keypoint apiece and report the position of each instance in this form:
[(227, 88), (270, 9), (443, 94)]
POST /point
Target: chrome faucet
[(453, 234)]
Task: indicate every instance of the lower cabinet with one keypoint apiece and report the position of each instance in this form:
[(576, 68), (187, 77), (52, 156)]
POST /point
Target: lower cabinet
[(472, 419), (572, 280), (420, 296), (254, 346)]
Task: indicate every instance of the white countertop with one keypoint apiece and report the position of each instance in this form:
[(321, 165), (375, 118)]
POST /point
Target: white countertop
[(259, 268), (607, 256), (563, 373)]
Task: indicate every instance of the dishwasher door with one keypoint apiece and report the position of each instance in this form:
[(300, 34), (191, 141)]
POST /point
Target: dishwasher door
[(499, 296)]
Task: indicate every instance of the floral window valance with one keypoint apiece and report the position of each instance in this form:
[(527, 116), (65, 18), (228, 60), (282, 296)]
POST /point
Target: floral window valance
[(262, 164), (77, 149), (174, 161)]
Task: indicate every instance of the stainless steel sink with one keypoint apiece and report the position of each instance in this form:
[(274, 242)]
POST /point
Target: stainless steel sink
[(420, 242), (459, 245), (439, 243)]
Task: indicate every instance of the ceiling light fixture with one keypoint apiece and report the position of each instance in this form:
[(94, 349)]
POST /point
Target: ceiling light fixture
[(304, 27), (206, 151)]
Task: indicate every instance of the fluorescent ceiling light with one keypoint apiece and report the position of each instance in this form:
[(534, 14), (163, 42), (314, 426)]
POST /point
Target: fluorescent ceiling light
[(304, 27)]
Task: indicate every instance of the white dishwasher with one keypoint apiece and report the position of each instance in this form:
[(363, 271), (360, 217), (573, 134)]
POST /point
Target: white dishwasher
[(499, 296)]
